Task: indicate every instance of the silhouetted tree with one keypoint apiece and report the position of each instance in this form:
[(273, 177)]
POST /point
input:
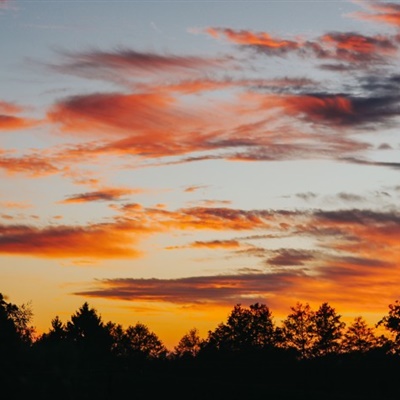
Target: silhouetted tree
[(328, 330), (359, 337), (392, 323), (88, 332), (138, 340), (299, 330), (58, 330), (15, 330), (246, 328), (116, 332), (189, 345)]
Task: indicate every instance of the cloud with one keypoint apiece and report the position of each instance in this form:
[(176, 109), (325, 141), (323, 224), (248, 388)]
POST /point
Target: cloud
[(112, 113), (290, 257), (284, 122), (350, 197), (107, 194), (124, 65), (351, 48), (15, 204), (307, 196), (99, 241), (223, 289), (212, 244), (194, 188), (260, 40), (33, 165), (10, 121), (387, 164), (334, 110), (217, 218), (382, 12)]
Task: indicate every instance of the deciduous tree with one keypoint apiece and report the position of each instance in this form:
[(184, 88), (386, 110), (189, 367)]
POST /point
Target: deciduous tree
[(359, 337), (299, 330), (189, 345)]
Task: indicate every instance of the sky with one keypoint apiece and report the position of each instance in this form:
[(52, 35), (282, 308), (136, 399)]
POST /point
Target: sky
[(166, 160)]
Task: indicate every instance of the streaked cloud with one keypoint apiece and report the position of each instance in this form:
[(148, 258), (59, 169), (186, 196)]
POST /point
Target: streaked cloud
[(106, 194), (224, 289), (10, 119), (382, 12), (356, 49), (125, 65), (99, 241)]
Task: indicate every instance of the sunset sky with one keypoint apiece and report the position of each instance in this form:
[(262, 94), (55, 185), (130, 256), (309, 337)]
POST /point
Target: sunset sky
[(166, 160)]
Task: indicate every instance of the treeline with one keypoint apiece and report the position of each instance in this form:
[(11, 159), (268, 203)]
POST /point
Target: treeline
[(311, 354)]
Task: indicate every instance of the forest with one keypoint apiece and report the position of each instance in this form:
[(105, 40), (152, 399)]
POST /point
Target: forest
[(311, 354)]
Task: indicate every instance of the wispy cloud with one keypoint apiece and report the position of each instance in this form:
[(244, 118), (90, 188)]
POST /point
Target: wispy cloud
[(125, 65), (10, 120), (106, 194), (98, 241), (348, 47), (382, 12)]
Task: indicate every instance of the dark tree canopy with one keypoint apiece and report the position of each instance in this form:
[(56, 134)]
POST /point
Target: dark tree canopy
[(246, 328), (244, 356)]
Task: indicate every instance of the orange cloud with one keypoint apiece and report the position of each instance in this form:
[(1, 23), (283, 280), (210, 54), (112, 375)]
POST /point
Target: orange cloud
[(15, 205), (387, 13), (8, 119), (100, 241), (33, 165), (352, 47), (106, 194), (349, 47), (194, 188), (215, 244), (218, 218), (355, 264), (112, 113), (262, 39)]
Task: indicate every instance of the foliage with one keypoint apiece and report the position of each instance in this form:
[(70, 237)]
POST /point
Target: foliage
[(359, 337), (139, 340), (328, 330), (299, 330), (246, 328), (189, 345), (14, 323), (391, 322)]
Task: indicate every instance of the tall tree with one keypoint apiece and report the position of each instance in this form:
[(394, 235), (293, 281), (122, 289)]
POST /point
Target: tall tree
[(88, 332), (328, 330), (359, 337), (15, 328), (299, 330), (391, 322)]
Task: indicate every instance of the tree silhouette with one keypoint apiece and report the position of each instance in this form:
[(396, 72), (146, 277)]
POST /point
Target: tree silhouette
[(138, 340), (359, 337), (328, 330), (391, 322), (15, 331), (246, 328), (299, 330), (189, 345), (88, 332)]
